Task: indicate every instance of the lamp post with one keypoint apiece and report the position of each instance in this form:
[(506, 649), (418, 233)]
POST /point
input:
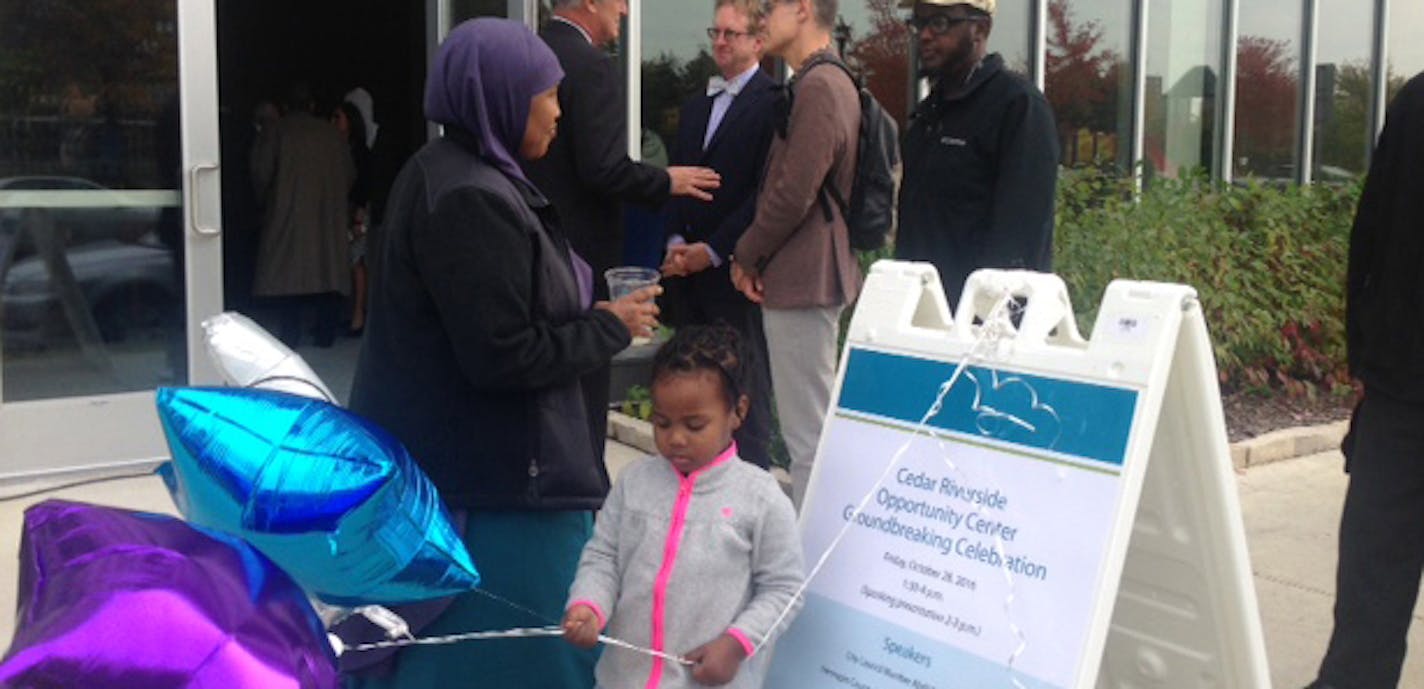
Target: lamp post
[(841, 31)]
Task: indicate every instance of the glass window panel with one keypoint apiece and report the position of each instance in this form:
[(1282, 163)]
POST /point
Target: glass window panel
[(1344, 87), (1268, 89), (1183, 65), (677, 60), (1088, 79), (90, 225), (1013, 30), (460, 10), (1406, 49)]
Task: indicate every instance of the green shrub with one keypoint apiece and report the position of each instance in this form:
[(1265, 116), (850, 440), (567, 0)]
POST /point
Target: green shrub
[(1268, 263), (639, 404)]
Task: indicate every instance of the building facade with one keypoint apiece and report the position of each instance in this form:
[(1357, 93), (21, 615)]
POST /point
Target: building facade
[(1274, 89), (126, 208)]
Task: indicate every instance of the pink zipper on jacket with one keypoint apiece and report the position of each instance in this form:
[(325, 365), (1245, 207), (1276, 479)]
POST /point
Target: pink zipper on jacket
[(670, 549)]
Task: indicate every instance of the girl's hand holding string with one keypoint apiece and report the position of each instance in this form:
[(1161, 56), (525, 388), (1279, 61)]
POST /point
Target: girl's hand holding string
[(581, 626), (716, 662)]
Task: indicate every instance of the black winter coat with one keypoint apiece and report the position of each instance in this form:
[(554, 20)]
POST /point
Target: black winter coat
[(476, 338), (1384, 314), (981, 167)]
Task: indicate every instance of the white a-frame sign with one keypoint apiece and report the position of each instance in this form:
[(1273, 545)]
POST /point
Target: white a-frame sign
[(1067, 518)]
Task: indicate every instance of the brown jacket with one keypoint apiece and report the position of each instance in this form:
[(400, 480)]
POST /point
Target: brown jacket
[(303, 172), (803, 260)]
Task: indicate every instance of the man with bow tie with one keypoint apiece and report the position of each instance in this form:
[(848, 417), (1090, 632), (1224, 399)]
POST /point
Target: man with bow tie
[(728, 129)]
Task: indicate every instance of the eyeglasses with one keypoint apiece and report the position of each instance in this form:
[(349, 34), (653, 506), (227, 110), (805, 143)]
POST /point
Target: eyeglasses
[(713, 32), (939, 24)]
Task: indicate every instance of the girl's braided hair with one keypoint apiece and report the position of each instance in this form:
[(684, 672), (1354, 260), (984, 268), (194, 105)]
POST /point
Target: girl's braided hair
[(706, 347)]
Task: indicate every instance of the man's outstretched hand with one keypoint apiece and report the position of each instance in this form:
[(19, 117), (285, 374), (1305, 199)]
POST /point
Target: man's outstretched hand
[(697, 182)]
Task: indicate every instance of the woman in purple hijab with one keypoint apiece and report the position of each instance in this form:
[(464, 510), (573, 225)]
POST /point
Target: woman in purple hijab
[(479, 329)]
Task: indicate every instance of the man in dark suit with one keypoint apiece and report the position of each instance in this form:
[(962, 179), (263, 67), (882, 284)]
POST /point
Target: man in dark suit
[(728, 129), (587, 173)]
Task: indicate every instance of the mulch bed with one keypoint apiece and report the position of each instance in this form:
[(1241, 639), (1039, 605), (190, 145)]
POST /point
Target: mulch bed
[(1249, 415)]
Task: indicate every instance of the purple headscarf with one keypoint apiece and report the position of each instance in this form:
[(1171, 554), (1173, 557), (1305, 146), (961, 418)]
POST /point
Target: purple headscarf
[(482, 80)]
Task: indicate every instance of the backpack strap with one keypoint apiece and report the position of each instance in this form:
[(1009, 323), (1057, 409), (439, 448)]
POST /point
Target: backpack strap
[(828, 193)]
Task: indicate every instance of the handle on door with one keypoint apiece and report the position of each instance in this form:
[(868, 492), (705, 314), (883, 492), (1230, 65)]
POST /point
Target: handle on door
[(194, 199)]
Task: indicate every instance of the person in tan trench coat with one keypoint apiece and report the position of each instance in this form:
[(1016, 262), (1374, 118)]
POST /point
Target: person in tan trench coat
[(303, 172)]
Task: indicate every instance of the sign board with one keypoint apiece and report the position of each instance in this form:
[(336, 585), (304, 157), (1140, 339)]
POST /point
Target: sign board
[(1063, 514)]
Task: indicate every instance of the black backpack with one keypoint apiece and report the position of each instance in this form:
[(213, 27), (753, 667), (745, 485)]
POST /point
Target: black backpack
[(870, 211)]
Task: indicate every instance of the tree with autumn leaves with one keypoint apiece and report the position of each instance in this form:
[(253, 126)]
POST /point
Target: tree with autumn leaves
[(1082, 79), (1267, 98), (70, 72), (124, 51), (882, 57)]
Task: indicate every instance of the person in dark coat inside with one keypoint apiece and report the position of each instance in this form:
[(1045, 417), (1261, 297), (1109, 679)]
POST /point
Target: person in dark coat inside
[(1382, 525), (479, 329), (728, 129), (980, 154), (587, 173)]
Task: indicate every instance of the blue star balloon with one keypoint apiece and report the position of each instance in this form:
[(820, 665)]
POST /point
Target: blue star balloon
[(335, 501)]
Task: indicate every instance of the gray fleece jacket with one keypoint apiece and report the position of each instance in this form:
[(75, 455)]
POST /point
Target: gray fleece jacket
[(675, 561)]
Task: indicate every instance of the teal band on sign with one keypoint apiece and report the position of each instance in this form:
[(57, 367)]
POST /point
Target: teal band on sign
[(1078, 419)]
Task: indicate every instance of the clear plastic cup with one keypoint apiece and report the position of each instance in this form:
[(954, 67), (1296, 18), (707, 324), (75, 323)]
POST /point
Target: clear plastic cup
[(626, 280)]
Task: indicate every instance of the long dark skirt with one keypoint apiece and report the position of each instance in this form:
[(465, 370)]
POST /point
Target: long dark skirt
[(528, 558)]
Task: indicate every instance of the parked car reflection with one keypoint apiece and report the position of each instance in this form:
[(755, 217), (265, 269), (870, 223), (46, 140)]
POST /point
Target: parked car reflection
[(125, 277), (128, 288), (102, 215)]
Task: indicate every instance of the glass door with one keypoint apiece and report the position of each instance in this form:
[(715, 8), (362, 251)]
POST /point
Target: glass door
[(110, 247)]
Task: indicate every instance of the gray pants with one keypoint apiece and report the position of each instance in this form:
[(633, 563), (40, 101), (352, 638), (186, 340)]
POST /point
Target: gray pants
[(801, 346)]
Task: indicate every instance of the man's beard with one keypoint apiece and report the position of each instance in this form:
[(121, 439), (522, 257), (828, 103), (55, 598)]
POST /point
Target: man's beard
[(960, 59)]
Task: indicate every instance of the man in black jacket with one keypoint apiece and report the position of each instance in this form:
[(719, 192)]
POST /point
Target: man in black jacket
[(587, 174), (981, 154), (1382, 526), (728, 129)]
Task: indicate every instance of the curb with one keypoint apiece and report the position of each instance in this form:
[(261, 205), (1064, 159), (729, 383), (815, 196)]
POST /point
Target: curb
[(632, 432), (1276, 446), (1288, 443)]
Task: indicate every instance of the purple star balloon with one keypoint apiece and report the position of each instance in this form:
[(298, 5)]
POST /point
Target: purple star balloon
[(130, 600)]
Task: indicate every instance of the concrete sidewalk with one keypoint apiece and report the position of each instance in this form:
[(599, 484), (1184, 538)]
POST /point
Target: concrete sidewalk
[(1292, 513), (1291, 508)]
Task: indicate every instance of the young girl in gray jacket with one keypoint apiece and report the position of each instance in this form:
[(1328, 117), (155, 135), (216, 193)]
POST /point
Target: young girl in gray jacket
[(695, 552)]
